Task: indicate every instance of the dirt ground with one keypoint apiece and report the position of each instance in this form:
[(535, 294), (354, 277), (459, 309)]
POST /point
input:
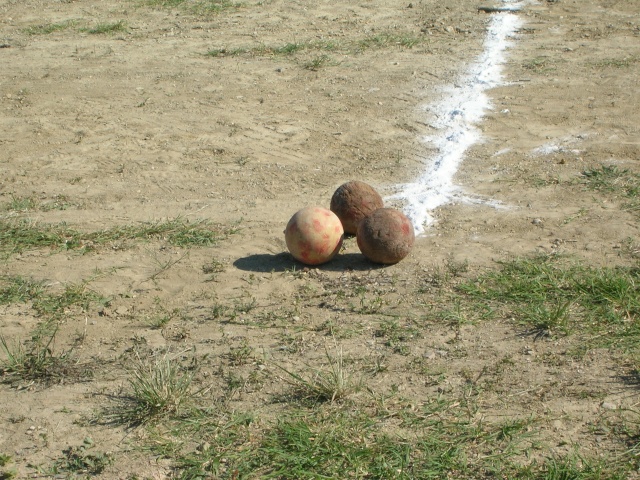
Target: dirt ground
[(192, 115)]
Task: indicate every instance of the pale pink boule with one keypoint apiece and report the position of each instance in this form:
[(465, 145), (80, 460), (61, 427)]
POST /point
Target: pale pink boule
[(314, 235), (386, 236)]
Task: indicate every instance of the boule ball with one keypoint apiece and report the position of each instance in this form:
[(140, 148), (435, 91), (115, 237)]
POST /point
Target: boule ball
[(353, 201), (314, 235), (386, 236)]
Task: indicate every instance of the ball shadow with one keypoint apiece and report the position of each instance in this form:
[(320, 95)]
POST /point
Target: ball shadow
[(267, 263)]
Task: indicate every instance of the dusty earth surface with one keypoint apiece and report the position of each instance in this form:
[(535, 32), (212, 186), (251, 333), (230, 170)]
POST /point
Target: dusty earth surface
[(175, 113)]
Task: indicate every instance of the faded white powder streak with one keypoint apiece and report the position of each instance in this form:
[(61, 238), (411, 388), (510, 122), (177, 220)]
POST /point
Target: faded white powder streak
[(456, 117)]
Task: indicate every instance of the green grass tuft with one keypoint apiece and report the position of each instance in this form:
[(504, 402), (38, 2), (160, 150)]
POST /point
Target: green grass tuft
[(617, 182), (156, 389), (105, 28), (329, 384), (48, 28), (546, 293), (17, 236), (195, 6)]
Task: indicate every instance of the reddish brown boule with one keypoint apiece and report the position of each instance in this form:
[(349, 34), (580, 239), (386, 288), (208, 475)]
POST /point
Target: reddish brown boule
[(386, 236), (353, 201), (314, 235)]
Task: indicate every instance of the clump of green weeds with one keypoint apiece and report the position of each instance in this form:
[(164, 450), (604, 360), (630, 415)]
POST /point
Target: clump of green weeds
[(7, 474), (36, 361), (48, 28), (17, 236), (196, 6), (553, 295), (615, 181), (46, 303), (156, 389), (81, 460), (317, 63), (107, 27), (338, 441), (384, 40), (336, 382)]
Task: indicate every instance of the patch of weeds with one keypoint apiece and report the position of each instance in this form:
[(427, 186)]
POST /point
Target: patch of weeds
[(396, 336), (631, 247), (442, 277), (353, 444), (330, 384), (156, 389), (618, 182), (318, 63), (340, 330), (19, 290), (457, 315), (21, 204), (433, 375), (199, 6), (6, 474), (575, 467), (547, 293), (80, 460), (212, 268), (224, 52), (215, 6), (539, 65), (18, 236), (547, 317), (46, 29), (456, 268), (48, 304), (234, 383), (383, 40), (59, 202), (440, 438), (52, 305), (219, 311), (217, 436), (288, 49), (107, 28), (245, 306), (368, 306), (575, 216), (293, 343), (35, 360), (161, 319), (241, 354), (625, 62)]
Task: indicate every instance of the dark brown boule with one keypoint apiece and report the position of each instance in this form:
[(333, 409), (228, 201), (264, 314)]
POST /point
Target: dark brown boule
[(353, 201), (386, 236)]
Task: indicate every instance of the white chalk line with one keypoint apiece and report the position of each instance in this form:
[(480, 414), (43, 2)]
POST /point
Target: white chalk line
[(457, 115)]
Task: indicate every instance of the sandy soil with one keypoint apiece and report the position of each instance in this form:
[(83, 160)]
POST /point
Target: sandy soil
[(141, 125)]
